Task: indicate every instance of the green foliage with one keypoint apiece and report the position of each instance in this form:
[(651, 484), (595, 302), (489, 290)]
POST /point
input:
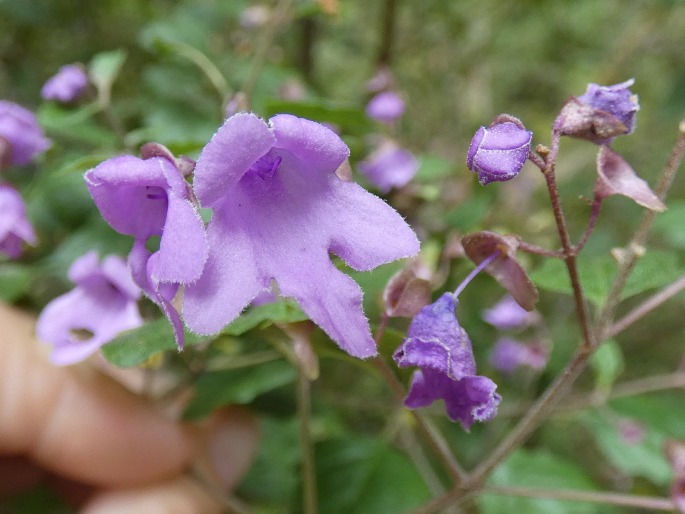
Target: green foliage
[(538, 469), (215, 389), (607, 363), (654, 269), (365, 475)]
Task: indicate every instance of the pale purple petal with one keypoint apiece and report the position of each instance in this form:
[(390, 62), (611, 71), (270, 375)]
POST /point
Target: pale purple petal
[(67, 85), (15, 228), (241, 140), (131, 194), (20, 128), (507, 314), (507, 355), (386, 107)]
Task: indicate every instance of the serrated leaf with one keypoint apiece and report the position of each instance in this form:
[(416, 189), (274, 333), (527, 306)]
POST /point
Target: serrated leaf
[(282, 311), (607, 363), (542, 470), (215, 389), (654, 269), (364, 475), (104, 68), (644, 458), (134, 347)]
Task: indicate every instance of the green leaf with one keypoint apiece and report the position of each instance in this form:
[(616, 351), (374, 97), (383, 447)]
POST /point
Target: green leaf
[(15, 280), (645, 458), (364, 475), (468, 215), (432, 169), (274, 475), (75, 125), (607, 363), (669, 224), (542, 470), (134, 347), (215, 389), (654, 269), (104, 68), (282, 311), (349, 118)]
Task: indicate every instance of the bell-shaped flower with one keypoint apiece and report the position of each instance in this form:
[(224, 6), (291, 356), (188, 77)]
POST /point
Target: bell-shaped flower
[(497, 153), (386, 107), (279, 208), (507, 314), (21, 135), (616, 177), (67, 85), (442, 351), (601, 114), (145, 198), (102, 305), (15, 228), (389, 166)]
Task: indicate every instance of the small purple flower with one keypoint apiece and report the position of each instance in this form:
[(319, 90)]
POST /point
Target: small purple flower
[(67, 85), (22, 133), (437, 345), (507, 314), (279, 209), (600, 115), (498, 153), (145, 198), (386, 107), (508, 354), (102, 305), (15, 228), (389, 166), (618, 100)]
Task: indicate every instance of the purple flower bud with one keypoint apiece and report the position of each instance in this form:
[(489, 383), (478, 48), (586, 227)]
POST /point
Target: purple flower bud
[(599, 115), (15, 228), (67, 85), (19, 128), (618, 100), (498, 153), (385, 107), (507, 314), (102, 305), (390, 166), (437, 345)]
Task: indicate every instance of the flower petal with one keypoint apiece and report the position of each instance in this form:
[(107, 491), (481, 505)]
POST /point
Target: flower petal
[(241, 140)]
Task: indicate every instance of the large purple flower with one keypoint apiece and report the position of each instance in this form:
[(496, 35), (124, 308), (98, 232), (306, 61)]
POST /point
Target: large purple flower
[(23, 136), (68, 84), (15, 228), (145, 198), (438, 345), (102, 305), (279, 209)]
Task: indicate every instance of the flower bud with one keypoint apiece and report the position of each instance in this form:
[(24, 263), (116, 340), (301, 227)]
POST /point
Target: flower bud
[(67, 85), (498, 153), (599, 115)]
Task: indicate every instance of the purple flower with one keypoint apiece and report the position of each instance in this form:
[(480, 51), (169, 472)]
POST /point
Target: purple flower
[(23, 136), (102, 305), (618, 100), (437, 345), (601, 114), (507, 314), (509, 354), (67, 85), (390, 166), (385, 107), (498, 153), (15, 228), (145, 198), (279, 209)]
